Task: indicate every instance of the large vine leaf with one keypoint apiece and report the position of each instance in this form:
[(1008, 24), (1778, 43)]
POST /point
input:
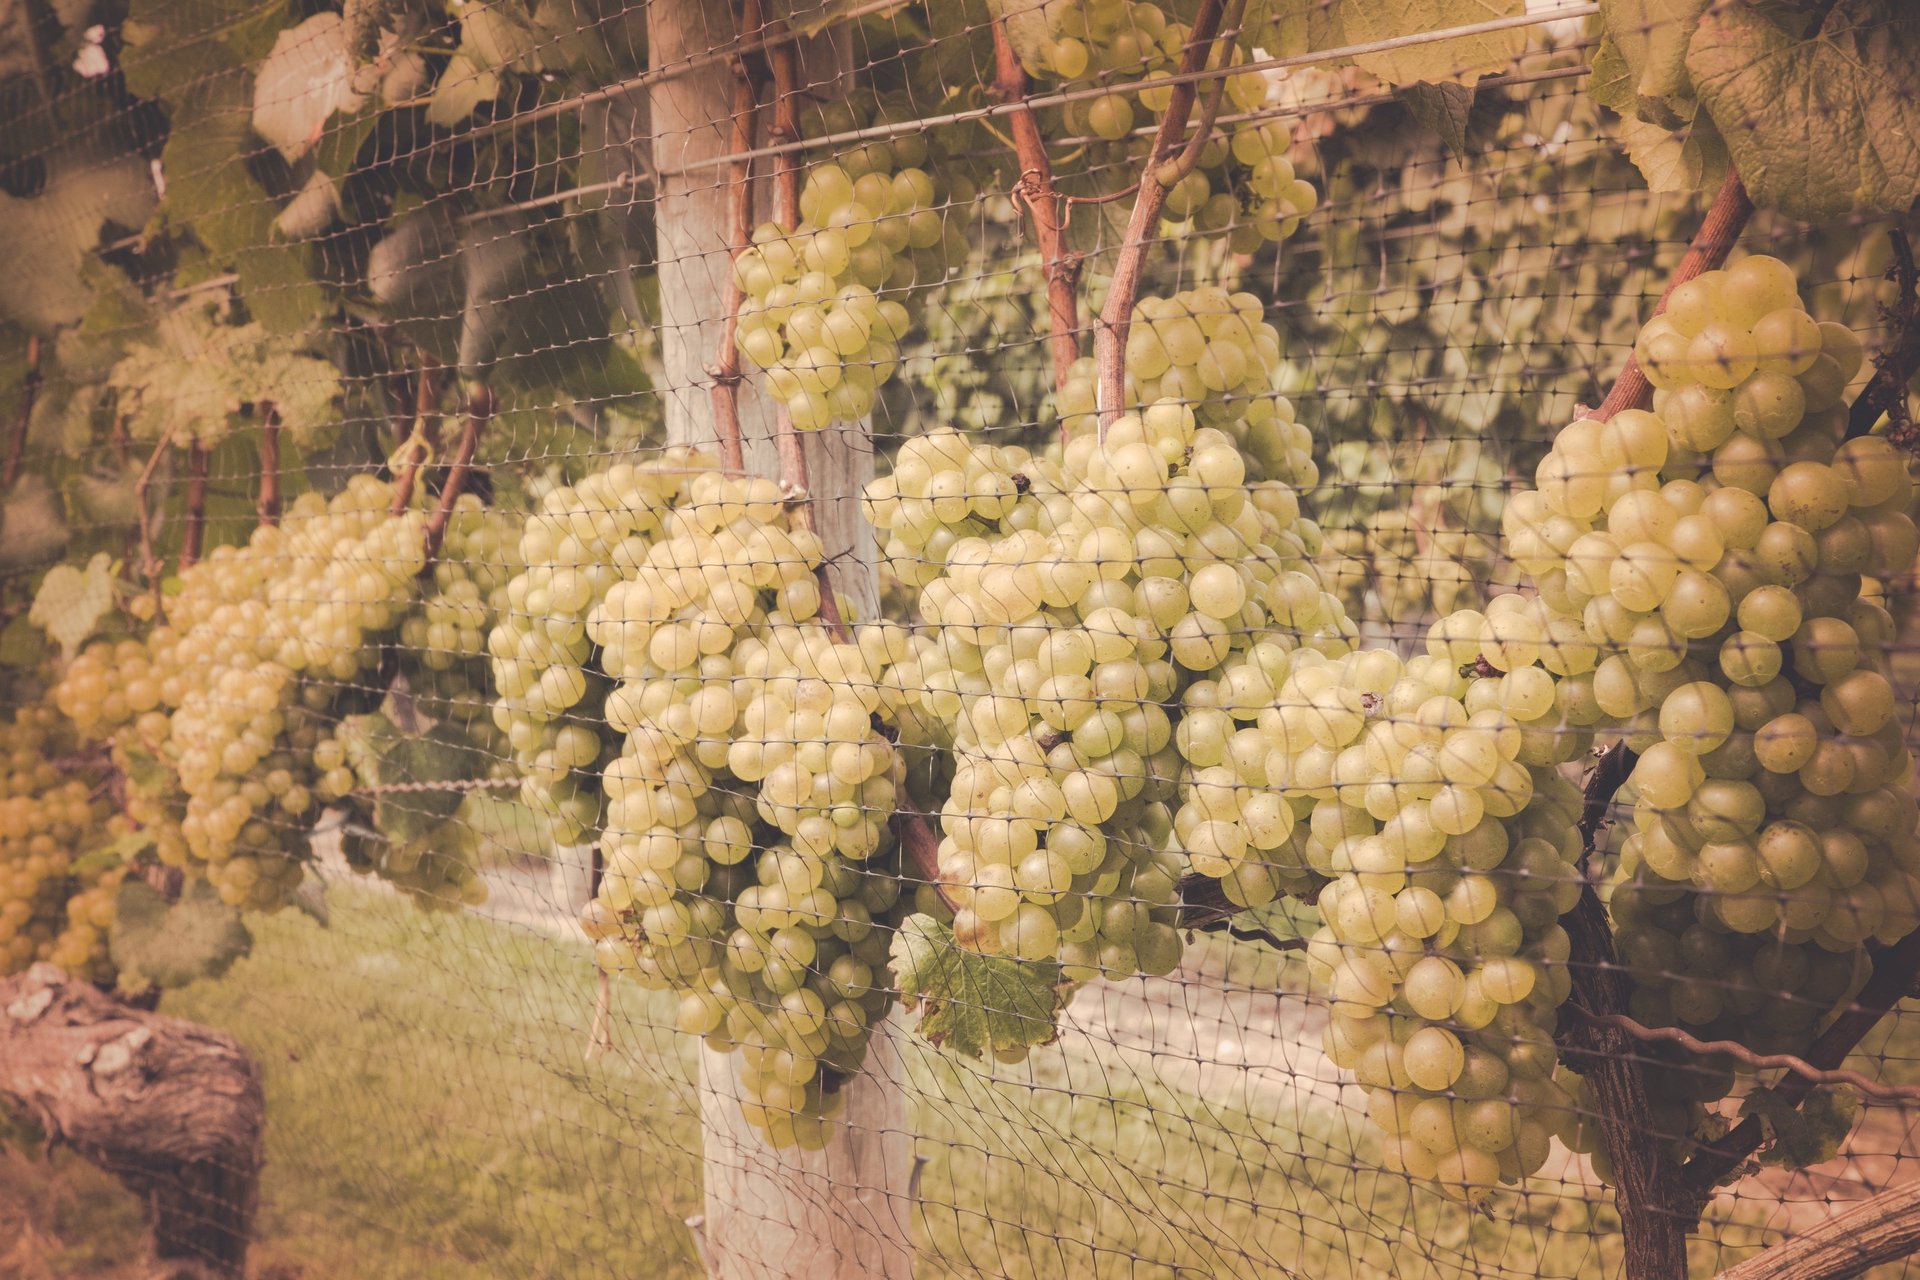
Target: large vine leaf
[(1822, 127), (70, 602), (171, 945), (45, 238), (970, 1003), (1459, 58), (302, 83), (1651, 36), (383, 755), (1687, 158)]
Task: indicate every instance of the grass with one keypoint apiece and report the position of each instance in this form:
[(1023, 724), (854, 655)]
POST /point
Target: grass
[(432, 1115)]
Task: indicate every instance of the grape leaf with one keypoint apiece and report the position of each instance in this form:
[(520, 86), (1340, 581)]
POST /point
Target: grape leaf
[(112, 854), (1823, 127), (1688, 158), (496, 39), (171, 945), (1443, 108), (1461, 58), (1808, 1134), (464, 84), (1651, 36), (70, 602), (1026, 26), (312, 211), (384, 756), (45, 238), (969, 1003), (307, 77)]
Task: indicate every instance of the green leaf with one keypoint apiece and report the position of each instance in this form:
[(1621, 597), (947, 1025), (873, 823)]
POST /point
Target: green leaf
[(23, 646), (1461, 58), (969, 1003), (463, 85), (495, 39), (1809, 1134), (70, 602), (1823, 127), (384, 756), (1689, 158), (1651, 36), (1443, 108), (110, 855), (174, 944), (307, 77), (46, 239), (1027, 29), (144, 770)]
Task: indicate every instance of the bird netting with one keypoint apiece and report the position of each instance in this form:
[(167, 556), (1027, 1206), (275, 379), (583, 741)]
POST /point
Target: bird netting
[(981, 637)]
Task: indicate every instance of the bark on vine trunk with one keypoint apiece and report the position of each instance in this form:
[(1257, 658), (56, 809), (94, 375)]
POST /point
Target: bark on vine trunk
[(173, 1109)]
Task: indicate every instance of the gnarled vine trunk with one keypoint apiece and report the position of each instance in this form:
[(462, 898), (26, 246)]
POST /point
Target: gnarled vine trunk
[(171, 1108)]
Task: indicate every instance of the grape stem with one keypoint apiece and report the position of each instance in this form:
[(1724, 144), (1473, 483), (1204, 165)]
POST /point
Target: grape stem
[(480, 406), (1036, 191), (1894, 968), (1725, 219), (1758, 1061), (426, 425), (267, 505), (1886, 394), (150, 562), (748, 71), (193, 533), (1206, 909), (23, 420), (1110, 330)]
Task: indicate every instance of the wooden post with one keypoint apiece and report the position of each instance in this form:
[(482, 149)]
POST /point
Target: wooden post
[(841, 1213)]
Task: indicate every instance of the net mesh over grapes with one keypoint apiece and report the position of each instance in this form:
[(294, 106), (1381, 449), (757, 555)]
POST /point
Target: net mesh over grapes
[(610, 592)]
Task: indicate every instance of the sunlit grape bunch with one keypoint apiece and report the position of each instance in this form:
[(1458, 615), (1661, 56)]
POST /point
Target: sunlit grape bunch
[(220, 717), (50, 908), (671, 691), (1100, 589), (1215, 352), (1713, 550), (822, 314)]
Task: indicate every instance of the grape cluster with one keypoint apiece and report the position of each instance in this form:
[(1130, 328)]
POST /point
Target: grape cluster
[(1712, 552), (1434, 806), (815, 314), (662, 658), (1215, 352), (1099, 589), (222, 716), (1242, 181), (49, 816)]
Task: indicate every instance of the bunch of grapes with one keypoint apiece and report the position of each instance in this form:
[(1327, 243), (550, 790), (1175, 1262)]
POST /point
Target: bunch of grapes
[(1712, 552), (1063, 635), (1242, 181), (873, 222), (49, 815), (222, 716), (1433, 805), (1214, 352), (443, 637), (730, 738)]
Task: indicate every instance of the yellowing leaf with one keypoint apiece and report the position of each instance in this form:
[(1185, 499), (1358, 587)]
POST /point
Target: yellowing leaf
[(306, 78), (1460, 58), (1823, 127), (71, 602), (973, 1004)]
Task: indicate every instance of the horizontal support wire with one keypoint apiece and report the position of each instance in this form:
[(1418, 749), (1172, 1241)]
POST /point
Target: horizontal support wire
[(881, 132)]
